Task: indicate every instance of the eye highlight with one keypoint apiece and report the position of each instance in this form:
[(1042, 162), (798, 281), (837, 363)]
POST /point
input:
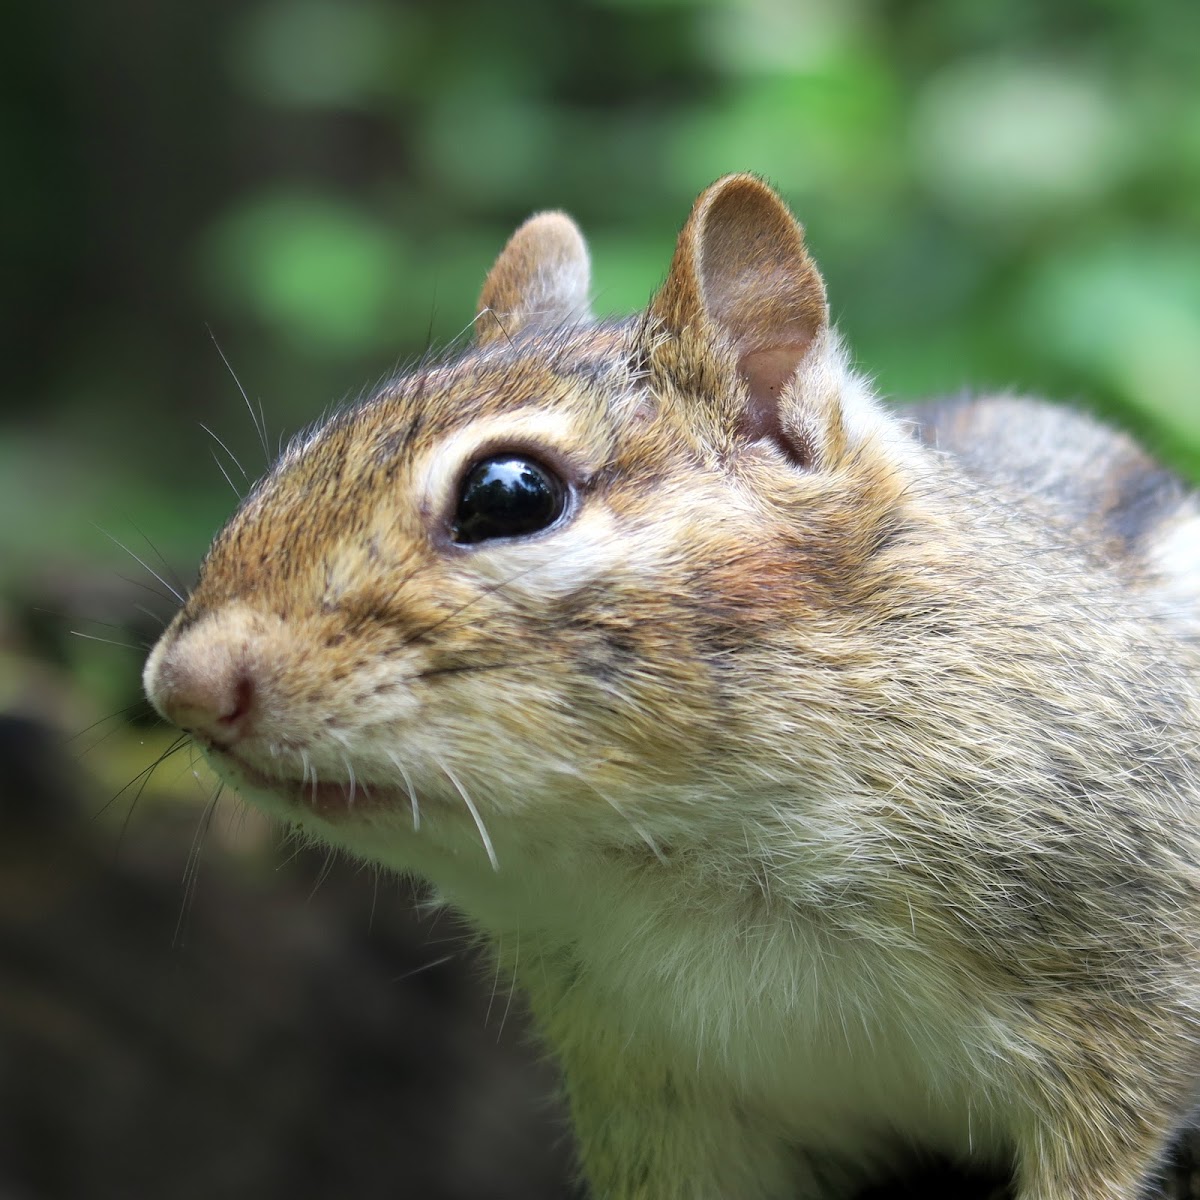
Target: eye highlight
[(507, 496)]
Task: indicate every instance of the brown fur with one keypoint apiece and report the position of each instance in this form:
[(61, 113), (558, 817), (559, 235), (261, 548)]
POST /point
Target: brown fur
[(840, 784)]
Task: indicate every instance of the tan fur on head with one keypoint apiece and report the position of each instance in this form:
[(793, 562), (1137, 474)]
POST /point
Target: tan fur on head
[(831, 789)]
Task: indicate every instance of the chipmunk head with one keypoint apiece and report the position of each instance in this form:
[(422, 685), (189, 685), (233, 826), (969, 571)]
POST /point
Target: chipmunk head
[(535, 588)]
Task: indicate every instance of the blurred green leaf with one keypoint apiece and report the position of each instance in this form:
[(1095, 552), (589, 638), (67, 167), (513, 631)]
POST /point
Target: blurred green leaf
[(318, 267), (1005, 137), (808, 133), (318, 53), (1126, 312), (751, 37), (485, 138)]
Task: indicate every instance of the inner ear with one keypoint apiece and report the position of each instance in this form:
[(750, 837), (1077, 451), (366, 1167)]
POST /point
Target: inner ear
[(767, 373), (762, 291), (741, 277), (541, 278)]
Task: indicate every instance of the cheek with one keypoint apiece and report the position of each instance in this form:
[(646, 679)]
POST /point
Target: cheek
[(540, 572)]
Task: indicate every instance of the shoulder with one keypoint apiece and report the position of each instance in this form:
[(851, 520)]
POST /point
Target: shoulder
[(1092, 480)]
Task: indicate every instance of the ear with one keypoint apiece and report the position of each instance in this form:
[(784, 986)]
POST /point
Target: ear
[(742, 276), (541, 278)]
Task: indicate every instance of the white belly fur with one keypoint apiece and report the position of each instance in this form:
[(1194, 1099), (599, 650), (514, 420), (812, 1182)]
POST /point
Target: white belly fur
[(855, 1046)]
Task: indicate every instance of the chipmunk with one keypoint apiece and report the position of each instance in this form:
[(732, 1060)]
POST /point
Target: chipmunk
[(828, 777)]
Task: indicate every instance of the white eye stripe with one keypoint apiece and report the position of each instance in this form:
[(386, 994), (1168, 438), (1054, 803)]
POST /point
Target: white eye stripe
[(438, 474)]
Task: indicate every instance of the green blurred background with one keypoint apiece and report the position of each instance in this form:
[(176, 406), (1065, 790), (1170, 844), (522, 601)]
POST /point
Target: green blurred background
[(1001, 195)]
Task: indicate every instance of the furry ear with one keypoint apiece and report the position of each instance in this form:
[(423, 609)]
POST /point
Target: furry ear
[(741, 275), (542, 277)]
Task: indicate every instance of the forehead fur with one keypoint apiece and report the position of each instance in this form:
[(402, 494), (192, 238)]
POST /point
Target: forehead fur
[(581, 378), (542, 369)]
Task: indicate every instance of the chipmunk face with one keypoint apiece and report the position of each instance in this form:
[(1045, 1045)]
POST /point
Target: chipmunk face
[(521, 592)]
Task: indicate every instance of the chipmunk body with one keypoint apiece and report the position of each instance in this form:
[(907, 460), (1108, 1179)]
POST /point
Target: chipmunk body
[(829, 785)]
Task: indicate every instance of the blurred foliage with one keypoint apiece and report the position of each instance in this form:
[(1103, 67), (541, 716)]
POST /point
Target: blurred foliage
[(1002, 195)]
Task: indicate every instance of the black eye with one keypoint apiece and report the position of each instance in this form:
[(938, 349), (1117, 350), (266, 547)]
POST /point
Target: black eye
[(505, 497)]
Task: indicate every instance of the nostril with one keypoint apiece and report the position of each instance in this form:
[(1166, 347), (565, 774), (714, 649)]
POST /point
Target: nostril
[(242, 703), (214, 696)]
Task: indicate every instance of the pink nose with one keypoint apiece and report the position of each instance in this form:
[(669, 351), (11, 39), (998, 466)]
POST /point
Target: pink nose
[(209, 691)]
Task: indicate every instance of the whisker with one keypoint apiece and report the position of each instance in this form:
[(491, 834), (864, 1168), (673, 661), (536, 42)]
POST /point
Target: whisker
[(170, 570), (111, 717), (191, 870), (236, 825), (483, 833), (259, 421), (152, 615), (638, 829), (469, 327), (62, 616), (489, 312), (227, 450), (137, 796), (515, 664), (140, 647), (143, 585), (226, 474), (512, 987), (433, 303), (487, 591), (101, 738), (144, 774), (301, 844), (429, 966), (309, 769), (140, 561), (412, 794), (487, 1016), (323, 874)]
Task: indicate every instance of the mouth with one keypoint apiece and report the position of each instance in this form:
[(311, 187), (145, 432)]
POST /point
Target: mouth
[(329, 799)]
